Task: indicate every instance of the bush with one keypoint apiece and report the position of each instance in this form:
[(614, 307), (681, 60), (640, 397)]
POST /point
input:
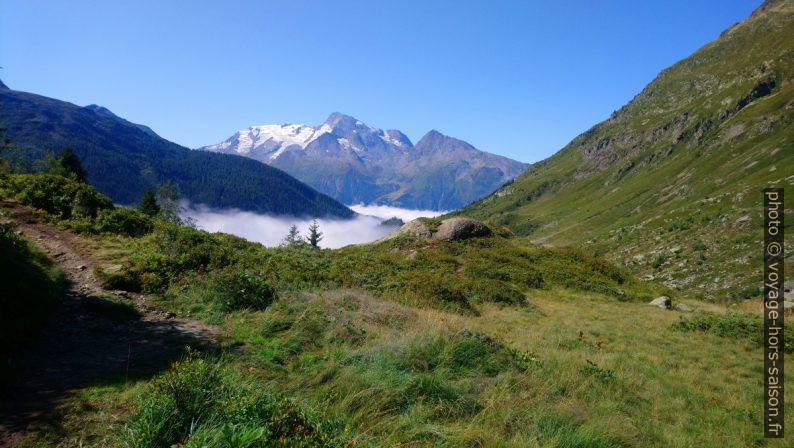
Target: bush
[(737, 326), (428, 287), (591, 369), (123, 221), (461, 353), (474, 350), (235, 289), (56, 195), (121, 280)]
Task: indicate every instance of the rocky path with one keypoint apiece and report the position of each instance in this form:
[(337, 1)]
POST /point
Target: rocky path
[(81, 345)]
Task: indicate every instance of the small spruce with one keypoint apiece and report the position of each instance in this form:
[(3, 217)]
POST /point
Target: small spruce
[(70, 166), (167, 199), (315, 236), (293, 238), (148, 204)]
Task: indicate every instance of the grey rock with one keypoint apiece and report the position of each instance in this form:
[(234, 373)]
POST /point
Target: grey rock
[(788, 305), (415, 228), (663, 302), (460, 229), (683, 307), (112, 269)]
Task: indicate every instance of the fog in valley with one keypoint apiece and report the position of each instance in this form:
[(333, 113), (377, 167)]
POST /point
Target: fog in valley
[(270, 230)]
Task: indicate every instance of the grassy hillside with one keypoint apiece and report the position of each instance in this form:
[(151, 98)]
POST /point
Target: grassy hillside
[(124, 159), (410, 342), (670, 185)]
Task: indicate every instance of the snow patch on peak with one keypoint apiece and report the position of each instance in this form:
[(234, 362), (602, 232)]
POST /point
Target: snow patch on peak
[(384, 135), (271, 140), (286, 135)]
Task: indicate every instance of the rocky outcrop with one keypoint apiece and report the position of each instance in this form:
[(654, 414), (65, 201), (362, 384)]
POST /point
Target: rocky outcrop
[(461, 229), (452, 229), (414, 229)]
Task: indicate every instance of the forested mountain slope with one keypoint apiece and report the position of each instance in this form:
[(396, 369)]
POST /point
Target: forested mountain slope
[(123, 159)]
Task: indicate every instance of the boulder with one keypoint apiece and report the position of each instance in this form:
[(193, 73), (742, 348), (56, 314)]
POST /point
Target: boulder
[(683, 307), (415, 228), (662, 302), (454, 229)]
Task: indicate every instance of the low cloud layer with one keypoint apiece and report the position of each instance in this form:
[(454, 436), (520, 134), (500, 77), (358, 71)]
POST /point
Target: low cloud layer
[(386, 212), (270, 230)]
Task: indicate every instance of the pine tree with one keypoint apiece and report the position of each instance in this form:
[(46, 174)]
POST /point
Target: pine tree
[(315, 236), (70, 165), (148, 204), (168, 200), (293, 238)]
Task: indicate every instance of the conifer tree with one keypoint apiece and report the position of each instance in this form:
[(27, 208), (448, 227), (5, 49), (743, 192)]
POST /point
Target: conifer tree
[(315, 236), (168, 201), (148, 204), (293, 238), (70, 166)]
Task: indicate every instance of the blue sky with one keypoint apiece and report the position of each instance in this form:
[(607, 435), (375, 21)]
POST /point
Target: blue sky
[(518, 78)]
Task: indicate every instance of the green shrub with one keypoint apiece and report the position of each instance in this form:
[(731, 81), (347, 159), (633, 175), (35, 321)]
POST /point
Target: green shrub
[(172, 251), (591, 369), (121, 280), (433, 389), (123, 221), (235, 289), (56, 195), (486, 290), (659, 261), (427, 287), (737, 326), (474, 350)]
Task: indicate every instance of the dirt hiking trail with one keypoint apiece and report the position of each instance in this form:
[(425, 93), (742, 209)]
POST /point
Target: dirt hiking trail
[(79, 344)]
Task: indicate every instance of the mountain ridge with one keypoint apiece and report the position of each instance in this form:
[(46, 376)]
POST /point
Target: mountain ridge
[(123, 159), (669, 185), (357, 163)]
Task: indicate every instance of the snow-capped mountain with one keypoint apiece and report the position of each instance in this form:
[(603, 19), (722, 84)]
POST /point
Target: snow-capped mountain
[(356, 163), (268, 142)]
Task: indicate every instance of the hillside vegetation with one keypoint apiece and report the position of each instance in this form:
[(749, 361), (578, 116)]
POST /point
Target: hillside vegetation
[(670, 185), (123, 159), (483, 342)]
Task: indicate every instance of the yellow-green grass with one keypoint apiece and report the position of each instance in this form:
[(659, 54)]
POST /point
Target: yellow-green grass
[(670, 388)]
